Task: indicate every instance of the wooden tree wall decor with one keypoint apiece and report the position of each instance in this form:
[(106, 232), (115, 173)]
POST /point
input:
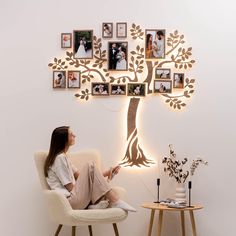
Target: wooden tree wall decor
[(176, 57)]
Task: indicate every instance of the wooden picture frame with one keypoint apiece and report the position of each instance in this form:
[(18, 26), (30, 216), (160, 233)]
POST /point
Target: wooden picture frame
[(59, 79), (117, 56), (136, 89), (162, 86), (73, 79), (178, 80), (163, 73), (155, 41), (83, 44), (66, 40), (100, 89), (118, 89), (107, 30), (121, 30)]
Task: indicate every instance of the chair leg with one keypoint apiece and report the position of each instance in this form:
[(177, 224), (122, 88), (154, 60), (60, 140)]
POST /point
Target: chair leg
[(115, 229), (90, 230), (58, 230), (73, 230)]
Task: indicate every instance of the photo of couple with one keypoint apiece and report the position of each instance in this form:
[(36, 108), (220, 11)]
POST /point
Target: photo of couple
[(83, 44), (155, 44), (107, 30), (117, 56), (73, 79), (136, 89), (118, 89), (100, 89), (162, 86), (66, 40), (59, 79), (178, 80)]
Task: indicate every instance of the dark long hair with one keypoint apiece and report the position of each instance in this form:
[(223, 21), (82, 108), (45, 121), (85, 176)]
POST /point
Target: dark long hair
[(148, 38), (58, 144)]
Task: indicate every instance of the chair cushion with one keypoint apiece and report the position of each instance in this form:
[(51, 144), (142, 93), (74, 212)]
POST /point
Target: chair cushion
[(109, 215)]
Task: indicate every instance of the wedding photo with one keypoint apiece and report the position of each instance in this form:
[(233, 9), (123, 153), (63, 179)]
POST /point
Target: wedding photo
[(155, 44), (66, 40), (117, 56), (83, 44), (162, 86), (162, 74), (59, 79), (118, 89), (121, 30), (107, 30), (178, 80), (100, 89), (136, 89), (73, 79)]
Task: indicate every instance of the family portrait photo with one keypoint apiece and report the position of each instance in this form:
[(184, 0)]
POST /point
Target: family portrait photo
[(136, 89), (107, 30), (66, 40), (117, 56), (118, 89), (73, 79), (83, 44), (155, 44), (100, 89), (59, 79), (121, 30), (162, 86), (162, 74), (178, 80)]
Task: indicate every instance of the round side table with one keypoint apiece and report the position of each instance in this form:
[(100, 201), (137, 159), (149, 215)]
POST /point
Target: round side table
[(161, 208)]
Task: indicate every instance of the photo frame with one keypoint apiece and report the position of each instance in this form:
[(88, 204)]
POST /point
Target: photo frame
[(155, 40), (107, 30), (100, 89), (73, 79), (121, 30), (137, 89), (178, 80), (66, 40), (83, 44), (118, 89), (162, 73), (118, 56), (162, 86), (59, 79)]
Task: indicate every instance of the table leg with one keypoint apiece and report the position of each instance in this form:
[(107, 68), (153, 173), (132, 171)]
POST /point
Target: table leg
[(151, 222), (159, 226), (193, 223), (182, 222)]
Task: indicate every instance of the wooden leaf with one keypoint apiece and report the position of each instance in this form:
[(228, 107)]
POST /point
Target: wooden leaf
[(133, 25), (59, 61), (50, 64), (139, 71), (86, 98), (77, 95), (192, 80), (55, 59), (187, 80), (183, 104), (86, 90), (54, 67)]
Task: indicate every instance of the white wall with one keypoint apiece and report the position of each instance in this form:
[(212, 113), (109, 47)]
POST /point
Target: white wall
[(30, 109)]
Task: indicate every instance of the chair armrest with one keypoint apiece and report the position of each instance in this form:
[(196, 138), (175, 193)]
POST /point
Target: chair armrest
[(58, 206)]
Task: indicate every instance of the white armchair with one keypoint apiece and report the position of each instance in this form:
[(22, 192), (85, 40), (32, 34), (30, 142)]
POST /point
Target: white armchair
[(59, 207)]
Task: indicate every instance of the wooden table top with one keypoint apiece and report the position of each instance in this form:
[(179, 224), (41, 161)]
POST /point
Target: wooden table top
[(157, 206)]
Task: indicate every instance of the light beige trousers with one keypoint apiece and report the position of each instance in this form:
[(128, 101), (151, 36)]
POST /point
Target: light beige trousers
[(90, 186)]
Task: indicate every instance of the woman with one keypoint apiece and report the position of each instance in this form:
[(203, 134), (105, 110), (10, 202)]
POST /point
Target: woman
[(121, 61), (149, 46), (81, 52), (81, 188)]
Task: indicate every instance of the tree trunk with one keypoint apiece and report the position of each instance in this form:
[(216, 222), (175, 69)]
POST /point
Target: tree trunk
[(134, 154)]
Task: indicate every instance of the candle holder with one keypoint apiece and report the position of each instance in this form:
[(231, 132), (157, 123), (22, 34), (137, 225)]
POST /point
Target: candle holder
[(189, 193), (158, 185)]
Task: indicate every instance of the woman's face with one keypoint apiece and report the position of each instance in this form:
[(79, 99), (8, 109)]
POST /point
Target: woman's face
[(71, 138)]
